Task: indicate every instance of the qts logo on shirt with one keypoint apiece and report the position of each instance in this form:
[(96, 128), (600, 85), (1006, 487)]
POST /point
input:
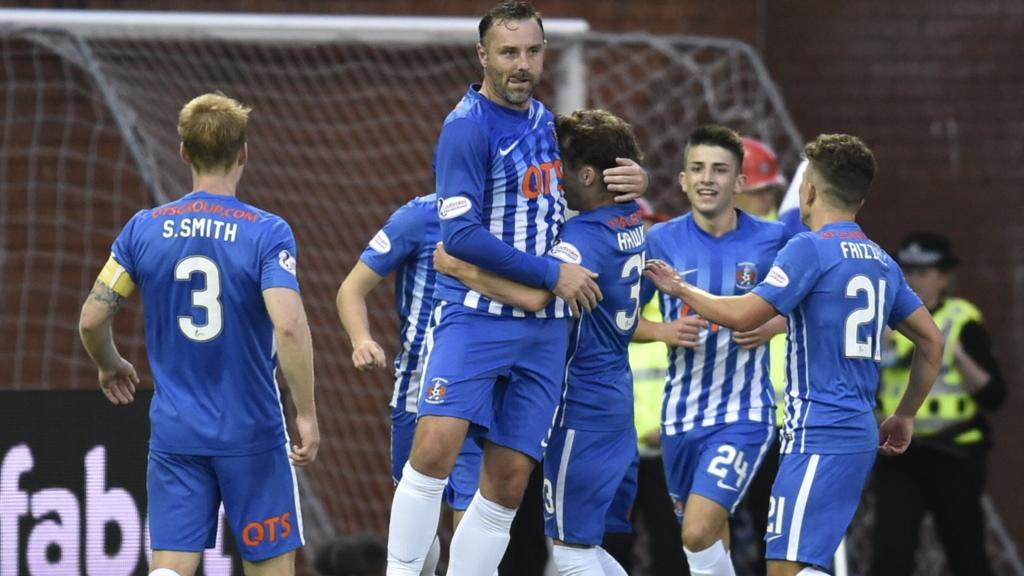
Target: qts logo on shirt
[(537, 179)]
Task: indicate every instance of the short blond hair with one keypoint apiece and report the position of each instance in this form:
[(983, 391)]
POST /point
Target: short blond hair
[(212, 129)]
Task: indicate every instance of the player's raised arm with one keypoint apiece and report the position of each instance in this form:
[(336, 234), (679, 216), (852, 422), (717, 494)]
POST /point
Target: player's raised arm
[(742, 313), (895, 432), (491, 285), (295, 353), (351, 302), (117, 376)]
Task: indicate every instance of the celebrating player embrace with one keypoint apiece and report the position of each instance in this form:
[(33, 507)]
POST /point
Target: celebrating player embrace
[(589, 473), (492, 369)]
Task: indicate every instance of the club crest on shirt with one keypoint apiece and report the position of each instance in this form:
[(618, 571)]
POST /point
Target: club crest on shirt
[(746, 275), (437, 391)]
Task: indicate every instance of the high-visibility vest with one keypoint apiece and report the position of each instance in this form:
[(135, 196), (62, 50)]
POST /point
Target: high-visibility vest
[(949, 403), (777, 374), (777, 360), (649, 362)]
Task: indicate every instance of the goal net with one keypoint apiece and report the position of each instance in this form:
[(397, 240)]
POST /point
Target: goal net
[(346, 115)]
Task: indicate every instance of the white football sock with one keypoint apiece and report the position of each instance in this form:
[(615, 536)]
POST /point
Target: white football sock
[(608, 562), (576, 561), (430, 564), (481, 538), (811, 571), (413, 526), (711, 561)]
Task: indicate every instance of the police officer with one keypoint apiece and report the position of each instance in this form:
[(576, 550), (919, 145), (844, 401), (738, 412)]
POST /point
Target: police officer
[(943, 471)]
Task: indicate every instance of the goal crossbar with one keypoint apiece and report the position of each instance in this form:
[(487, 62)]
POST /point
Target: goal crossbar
[(567, 33), (273, 28)]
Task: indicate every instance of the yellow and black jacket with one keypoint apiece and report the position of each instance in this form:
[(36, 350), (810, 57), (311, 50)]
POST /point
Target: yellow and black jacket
[(950, 414)]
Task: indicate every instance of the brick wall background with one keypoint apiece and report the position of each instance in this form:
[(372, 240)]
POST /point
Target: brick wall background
[(934, 86)]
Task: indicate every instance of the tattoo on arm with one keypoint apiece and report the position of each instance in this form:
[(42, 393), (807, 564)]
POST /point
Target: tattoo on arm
[(106, 296)]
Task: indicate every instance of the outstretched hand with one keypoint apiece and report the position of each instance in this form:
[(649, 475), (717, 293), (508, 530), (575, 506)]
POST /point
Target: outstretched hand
[(664, 276), (118, 383), (628, 179)]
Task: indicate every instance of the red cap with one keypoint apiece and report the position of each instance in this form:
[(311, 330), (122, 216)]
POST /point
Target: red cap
[(760, 165), (647, 212)]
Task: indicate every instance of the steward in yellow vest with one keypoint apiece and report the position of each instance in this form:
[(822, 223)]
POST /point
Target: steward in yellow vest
[(950, 413), (969, 379), (943, 470)]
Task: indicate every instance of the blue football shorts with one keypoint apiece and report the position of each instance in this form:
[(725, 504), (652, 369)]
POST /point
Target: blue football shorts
[(717, 462), (502, 374), (590, 484), (259, 493), (813, 502)]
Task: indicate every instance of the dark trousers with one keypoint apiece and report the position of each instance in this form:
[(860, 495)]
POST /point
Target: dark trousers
[(944, 480), (653, 507)]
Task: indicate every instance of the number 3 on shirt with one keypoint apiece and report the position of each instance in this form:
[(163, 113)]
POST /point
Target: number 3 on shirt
[(208, 298), (871, 348), (625, 319)]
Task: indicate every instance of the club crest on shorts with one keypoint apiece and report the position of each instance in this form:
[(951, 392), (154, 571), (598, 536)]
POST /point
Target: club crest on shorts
[(746, 275), (437, 391), (678, 506)]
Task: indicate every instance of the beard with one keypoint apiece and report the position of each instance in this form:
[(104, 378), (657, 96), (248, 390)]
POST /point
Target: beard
[(516, 96)]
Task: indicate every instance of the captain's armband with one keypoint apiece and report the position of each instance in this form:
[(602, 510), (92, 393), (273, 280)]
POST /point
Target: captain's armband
[(115, 277)]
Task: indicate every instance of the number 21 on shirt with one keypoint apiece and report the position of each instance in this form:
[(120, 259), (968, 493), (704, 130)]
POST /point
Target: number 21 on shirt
[(861, 288)]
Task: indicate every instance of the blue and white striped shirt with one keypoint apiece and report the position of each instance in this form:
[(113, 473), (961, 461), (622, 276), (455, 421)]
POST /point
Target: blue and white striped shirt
[(717, 382), (500, 198), (405, 245)]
